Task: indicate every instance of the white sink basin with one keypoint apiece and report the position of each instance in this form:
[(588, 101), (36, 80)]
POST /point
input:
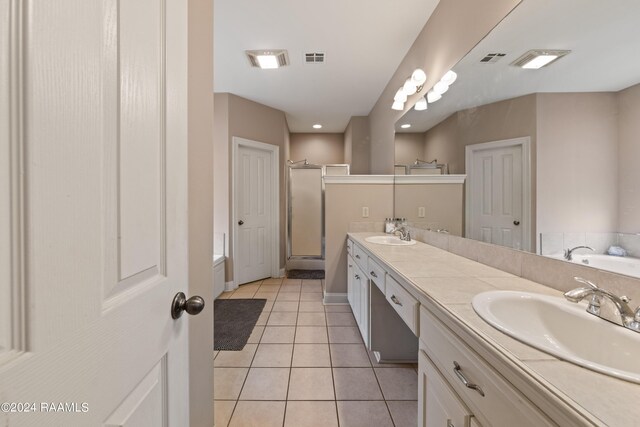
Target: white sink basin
[(389, 240), (563, 329)]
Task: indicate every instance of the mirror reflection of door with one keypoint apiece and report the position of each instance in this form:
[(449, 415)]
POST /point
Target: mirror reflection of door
[(498, 194)]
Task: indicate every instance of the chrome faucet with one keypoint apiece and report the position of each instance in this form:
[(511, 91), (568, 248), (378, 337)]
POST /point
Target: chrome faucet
[(628, 318), (404, 233), (568, 253)]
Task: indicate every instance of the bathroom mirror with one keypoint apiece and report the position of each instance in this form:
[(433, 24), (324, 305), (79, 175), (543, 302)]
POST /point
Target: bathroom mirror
[(550, 155)]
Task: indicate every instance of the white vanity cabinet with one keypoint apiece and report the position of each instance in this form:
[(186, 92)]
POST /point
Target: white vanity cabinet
[(358, 296)]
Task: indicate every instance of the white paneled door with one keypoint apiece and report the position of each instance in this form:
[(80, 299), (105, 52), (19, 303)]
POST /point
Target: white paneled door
[(93, 213), (496, 185), (253, 197)]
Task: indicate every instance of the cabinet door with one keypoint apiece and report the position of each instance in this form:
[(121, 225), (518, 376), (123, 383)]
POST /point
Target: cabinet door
[(438, 405), (363, 322), (350, 264), (357, 277)]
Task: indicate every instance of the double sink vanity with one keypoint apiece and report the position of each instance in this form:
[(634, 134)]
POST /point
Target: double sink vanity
[(476, 333)]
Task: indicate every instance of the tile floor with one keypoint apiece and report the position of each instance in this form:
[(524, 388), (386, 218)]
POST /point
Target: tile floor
[(305, 365)]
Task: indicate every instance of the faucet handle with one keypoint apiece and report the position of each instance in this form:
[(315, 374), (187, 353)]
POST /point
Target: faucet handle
[(625, 299), (589, 283)]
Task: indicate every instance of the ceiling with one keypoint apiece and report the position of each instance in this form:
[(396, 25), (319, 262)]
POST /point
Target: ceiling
[(604, 38), (364, 42)]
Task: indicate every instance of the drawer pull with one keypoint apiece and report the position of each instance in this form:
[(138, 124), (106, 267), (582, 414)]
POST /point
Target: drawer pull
[(396, 300), (350, 265), (357, 256), (357, 277), (373, 273), (458, 371), (450, 424)]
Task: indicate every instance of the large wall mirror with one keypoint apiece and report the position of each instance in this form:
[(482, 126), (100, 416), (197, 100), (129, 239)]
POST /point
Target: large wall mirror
[(551, 155)]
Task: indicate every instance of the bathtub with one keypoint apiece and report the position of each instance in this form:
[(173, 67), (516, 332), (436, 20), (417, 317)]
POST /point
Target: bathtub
[(622, 265)]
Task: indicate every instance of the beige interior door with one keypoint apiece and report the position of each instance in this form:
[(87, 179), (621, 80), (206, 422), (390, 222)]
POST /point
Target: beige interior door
[(496, 194), (253, 229), (94, 192)]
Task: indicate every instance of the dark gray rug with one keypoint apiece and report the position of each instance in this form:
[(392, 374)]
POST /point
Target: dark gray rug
[(305, 274), (233, 322)]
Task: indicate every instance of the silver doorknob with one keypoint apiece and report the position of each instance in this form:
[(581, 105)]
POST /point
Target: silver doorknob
[(193, 305), (240, 222)]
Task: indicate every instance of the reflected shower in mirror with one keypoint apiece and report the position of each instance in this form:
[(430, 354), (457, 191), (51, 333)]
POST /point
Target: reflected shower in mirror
[(543, 122)]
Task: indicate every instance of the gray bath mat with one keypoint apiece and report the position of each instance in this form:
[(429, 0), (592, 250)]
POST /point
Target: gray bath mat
[(233, 322), (305, 274)]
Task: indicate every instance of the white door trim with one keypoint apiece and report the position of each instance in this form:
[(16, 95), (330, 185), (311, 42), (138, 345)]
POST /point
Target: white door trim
[(525, 143), (274, 152)]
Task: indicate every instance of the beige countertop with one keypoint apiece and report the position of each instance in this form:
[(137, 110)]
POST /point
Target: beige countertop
[(441, 279)]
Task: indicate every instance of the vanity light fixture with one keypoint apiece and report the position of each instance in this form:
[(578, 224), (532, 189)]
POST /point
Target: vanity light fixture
[(412, 85), (400, 96), (449, 78), (433, 96), (421, 104), (440, 87), (398, 106), (268, 59), (409, 87), (538, 58), (405, 126), (317, 126)]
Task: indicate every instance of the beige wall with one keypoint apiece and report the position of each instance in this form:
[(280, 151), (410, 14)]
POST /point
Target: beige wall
[(317, 148), (409, 147), (200, 158), (344, 204), (577, 162), (443, 205), (628, 160), (250, 120), (357, 145), (453, 29)]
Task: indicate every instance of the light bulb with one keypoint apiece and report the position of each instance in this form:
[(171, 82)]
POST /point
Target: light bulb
[(400, 96), (397, 105), (449, 77), (419, 77), (409, 87), (440, 87), (421, 105), (433, 97)]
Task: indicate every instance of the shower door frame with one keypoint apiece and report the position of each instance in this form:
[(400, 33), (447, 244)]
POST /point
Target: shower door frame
[(290, 209)]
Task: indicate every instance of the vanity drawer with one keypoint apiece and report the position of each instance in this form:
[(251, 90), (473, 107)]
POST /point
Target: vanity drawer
[(360, 257), (498, 403), (402, 302), (376, 274)]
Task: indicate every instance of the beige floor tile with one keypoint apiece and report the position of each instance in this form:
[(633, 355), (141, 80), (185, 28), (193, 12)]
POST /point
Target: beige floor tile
[(311, 335), (273, 281), (311, 356), (311, 414), (341, 319), (278, 335), (290, 288), (311, 306), (311, 282), (311, 296), (292, 282), (363, 414), (398, 383), (285, 306), (256, 334), (269, 287), (344, 335), (222, 412), (268, 306), (249, 287), (262, 320), (338, 308), (356, 384), (311, 384), (266, 384), (258, 414), (404, 413), (311, 319), (311, 287), (225, 295), (349, 356), (215, 354), (273, 356), (236, 359), (282, 318), (227, 382), (243, 294), (288, 296), (269, 296)]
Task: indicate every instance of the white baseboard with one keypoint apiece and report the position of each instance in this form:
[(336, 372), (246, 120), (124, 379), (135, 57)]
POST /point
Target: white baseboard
[(283, 272), (335, 299), (230, 286)]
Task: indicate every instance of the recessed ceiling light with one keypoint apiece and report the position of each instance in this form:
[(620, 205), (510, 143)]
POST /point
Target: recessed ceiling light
[(405, 126), (268, 59), (267, 62), (535, 59), (317, 126)]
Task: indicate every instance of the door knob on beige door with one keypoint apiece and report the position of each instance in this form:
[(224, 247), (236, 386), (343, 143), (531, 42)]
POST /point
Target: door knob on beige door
[(240, 222), (193, 305), (516, 222)]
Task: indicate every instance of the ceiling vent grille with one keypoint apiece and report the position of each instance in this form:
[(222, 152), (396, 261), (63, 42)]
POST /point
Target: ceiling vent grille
[(281, 56), (491, 58), (314, 58), (532, 54)]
